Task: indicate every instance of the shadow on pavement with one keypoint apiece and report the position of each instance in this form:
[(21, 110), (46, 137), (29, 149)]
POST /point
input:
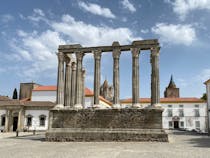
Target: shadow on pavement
[(36, 137), (197, 139)]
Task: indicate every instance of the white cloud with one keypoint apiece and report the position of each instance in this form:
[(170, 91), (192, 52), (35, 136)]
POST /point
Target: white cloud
[(87, 34), (175, 34), (39, 12), (128, 5), (6, 18), (37, 49), (183, 7), (96, 9)]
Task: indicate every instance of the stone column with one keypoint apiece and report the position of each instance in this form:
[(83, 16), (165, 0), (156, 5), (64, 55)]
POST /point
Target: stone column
[(116, 80), (97, 77), (78, 99), (73, 83), (20, 120), (155, 83), (60, 80), (83, 87), (7, 116), (135, 77), (67, 95)]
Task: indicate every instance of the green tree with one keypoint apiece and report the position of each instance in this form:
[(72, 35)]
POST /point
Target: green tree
[(204, 97)]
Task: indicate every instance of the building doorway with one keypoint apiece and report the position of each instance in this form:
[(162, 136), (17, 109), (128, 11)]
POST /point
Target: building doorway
[(15, 123), (176, 124)]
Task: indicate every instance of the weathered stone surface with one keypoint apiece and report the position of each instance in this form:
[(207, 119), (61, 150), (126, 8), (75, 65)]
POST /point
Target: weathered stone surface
[(107, 125)]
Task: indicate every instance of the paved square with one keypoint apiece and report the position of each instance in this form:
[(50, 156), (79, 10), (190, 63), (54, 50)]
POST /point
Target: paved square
[(182, 144)]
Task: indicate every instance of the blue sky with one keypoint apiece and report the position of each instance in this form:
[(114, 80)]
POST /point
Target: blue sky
[(30, 32)]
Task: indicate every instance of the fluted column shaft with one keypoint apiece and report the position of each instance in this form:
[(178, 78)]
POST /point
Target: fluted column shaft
[(78, 99), (60, 79), (83, 88), (116, 79), (97, 76), (135, 76), (73, 83), (155, 83), (67, 96)]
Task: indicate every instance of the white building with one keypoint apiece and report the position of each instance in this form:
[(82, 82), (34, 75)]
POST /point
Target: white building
[(32, 113), (207, 83), (179, 113)]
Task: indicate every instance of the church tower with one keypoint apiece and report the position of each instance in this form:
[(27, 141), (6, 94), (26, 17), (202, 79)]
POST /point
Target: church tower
[(106, 91), (171, 91)]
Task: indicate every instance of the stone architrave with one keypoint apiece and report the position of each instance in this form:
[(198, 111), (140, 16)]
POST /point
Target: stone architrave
[(60, 81), (155, 83), (97, 77), (73, 83), (116, 80), (83, 87), (135, 77), (78, 99), (67, 96)]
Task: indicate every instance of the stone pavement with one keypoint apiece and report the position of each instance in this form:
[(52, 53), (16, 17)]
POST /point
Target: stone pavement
[(181, 145)]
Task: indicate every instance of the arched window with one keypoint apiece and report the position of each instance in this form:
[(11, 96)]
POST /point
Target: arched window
[(29, 120), (42, 119), (3, 119)]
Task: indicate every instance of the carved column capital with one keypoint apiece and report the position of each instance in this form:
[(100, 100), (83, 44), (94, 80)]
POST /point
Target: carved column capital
[(73, 65), (60, 56), (68, 59), (97, 54), (116, 53), (135, 52), (79, 55), (155, 51)]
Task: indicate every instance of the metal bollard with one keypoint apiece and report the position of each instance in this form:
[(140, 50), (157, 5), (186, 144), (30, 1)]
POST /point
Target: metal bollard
[(17, 132)]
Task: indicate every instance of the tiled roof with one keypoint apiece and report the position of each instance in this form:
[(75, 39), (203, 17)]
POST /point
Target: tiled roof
[(4, 98), (45, 88), (167, 100), (88, 92)]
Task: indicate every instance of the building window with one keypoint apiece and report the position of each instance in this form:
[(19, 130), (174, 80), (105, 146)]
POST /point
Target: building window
[(170, 124), (29, 120), (170, 106), (170, 113), (197, 113), (181, 113), (181, 106), (197, 124), (3, 120), (196, 106), (42, 119), (181, 124)]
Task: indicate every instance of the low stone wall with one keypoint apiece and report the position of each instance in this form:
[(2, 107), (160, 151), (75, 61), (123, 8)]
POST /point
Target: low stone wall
[(106, 125)]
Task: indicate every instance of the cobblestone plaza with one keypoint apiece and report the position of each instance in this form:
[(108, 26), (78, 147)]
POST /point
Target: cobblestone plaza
[(180, 144)]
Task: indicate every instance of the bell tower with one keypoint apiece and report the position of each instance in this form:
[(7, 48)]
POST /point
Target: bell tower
[(171, 91)]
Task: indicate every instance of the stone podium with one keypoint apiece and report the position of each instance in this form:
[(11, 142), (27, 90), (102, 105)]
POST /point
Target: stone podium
[(70, 121)]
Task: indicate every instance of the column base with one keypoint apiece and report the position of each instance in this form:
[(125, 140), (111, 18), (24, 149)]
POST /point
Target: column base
[(59, 106), (116, 106), (97, 106), (158, 105), (78, 106), (137, 105)]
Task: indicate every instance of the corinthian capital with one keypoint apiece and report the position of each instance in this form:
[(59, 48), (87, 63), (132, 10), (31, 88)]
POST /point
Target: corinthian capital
[(79, 55), (68, 58), (97, 54), (155, 51), (135, 52), (60, 56)]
